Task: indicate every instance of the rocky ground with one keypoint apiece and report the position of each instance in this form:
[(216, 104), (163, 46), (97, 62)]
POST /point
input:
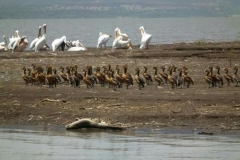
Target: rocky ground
[(207, 110)]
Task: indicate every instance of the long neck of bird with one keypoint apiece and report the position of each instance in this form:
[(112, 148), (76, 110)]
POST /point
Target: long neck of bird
[(29, 72), (5, 39), (39, 32), (236, 70), (145, 71), (180, 72), (62, 70), (155, 73), (218, 70), (226, 71), (137, 72), (24, 71), (125, 70)]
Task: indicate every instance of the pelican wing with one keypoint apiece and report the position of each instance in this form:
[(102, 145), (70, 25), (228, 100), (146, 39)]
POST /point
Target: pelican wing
[(103, 39), (15, 44), (11, 42), (40, 43), (146, 38), (32, 44), (57, 42)]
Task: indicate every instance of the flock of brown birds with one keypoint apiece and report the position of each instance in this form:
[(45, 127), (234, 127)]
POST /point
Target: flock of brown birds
[(217, 79), (176, 77)]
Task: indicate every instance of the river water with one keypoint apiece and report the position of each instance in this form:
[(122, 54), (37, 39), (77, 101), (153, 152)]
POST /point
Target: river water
[(39, 144), (163, 30)]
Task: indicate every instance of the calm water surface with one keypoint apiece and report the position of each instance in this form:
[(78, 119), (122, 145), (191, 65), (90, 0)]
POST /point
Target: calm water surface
[(152, 145), (164, 30)]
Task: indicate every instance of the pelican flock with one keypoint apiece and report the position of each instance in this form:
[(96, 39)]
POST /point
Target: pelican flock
[(121, 41)]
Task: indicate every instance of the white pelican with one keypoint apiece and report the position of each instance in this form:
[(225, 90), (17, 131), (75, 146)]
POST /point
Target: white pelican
[(145, 38), (119, 33), (32, 45), (121, 40), (103, 39), (13, 39), (79, 47), (20, 44), (59, 43), (43, 40), (3, 45), (119, 43)]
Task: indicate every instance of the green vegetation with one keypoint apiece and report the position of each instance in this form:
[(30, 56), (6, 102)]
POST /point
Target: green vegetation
[(47, 9)]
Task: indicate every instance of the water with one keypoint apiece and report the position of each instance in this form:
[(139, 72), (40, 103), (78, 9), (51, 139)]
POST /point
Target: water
[(164, 30), (59, 144)]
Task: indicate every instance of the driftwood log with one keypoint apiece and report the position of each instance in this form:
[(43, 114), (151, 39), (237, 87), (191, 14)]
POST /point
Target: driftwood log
[(88, 123)]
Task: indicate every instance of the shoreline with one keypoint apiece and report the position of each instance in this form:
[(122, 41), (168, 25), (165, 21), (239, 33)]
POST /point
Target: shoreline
[(198, 108)]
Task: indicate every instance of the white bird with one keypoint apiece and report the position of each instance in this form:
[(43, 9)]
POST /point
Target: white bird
[(79, 47), (43, 40), (13, 39), (119, 43), (103, 39), (146, 38), (122, 41), (57, 43), (32, 45), (119, 33), (3, 45), (20, 44)]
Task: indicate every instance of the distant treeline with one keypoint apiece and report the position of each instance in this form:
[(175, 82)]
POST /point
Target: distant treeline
[(57, 9)]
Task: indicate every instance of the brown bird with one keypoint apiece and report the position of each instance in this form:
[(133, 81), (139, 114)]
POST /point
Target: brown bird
[(51, 79), (219, 75), (208, 78), (227, 76), (163, 74), (171, 79), (127, 77), (215, 78), (147, 76), (139, 79), (187, 79), (118, 76), (235, 76), (101, 77), (88, 80), (63, 75), (113, 83), (157, 78), (26, 78)]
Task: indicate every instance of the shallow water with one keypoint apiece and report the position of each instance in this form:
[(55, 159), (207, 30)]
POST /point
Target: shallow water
[(163, 30), (60, 144)]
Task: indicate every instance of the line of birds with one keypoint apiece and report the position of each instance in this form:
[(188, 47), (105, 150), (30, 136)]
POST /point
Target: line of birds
[(19, 44), (109, 76), (115, 79), (217, 79)]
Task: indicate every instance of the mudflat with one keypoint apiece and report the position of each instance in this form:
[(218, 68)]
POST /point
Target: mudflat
[(214, 109)]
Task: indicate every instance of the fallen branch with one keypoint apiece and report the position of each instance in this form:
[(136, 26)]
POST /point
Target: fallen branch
[(53, 100)]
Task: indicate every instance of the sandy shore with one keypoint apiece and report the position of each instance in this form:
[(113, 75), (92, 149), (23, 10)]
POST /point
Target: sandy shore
[(215, 109)]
